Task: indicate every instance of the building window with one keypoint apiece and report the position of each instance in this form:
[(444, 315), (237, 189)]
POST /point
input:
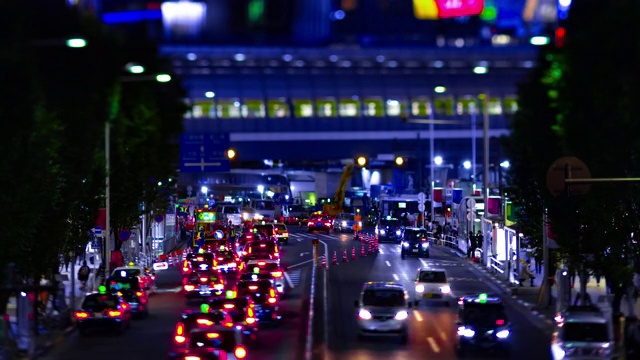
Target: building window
[(303, 108), (444, 106), (326, 108), (420, 106), (467, 105), (349, 108), (373, 107), (510, 105), (202, 109), (253, 109), (278, 109), (394, 107), (495, 106), (228, 109)]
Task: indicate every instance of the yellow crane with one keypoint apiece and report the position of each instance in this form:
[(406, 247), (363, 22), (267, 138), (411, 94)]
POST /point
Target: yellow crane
[(336, 207)]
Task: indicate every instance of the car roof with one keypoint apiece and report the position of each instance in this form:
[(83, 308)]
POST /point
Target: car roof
[(584, 314), (415, 229), (430, 269), (482, 299), (383, 285), (268, 261)]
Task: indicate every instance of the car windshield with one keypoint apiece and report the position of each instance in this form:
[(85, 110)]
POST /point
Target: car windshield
[(281, 227), (127, 272), (100, 302), (432, 277), (230, 210), (223, 340), (415, 234), (487, 315), (584, 332), (265, 229), (263, 205), (131, 284), (392, 222), (383, 298)]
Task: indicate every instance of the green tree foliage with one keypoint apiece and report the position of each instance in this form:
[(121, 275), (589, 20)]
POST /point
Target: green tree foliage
[(54, 102), (582, 102)]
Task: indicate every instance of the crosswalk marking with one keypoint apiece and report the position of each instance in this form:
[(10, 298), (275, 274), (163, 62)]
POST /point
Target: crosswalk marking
[(293, 277)]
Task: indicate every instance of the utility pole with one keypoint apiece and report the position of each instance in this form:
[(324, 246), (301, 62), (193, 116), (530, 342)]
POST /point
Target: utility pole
[(107, 154), (486, 248), (431, 155)]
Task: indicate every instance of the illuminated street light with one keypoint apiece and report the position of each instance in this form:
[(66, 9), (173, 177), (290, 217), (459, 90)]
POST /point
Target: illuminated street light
[(505, 164), (210, 94), (438, 160), (480, 70), (440, 89), (204, 190), (231, 154), (163, 78), (261, 190), (467, 164), (399, 160), (76, 43), (539, 40), (361, 161), (134, 68)]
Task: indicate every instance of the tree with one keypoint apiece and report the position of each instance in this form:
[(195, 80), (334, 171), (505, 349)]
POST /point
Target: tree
[(592, 86)]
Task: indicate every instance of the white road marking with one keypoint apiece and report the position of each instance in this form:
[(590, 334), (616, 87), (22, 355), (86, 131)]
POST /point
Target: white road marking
[(388, 263), (417, 315), (433, 344), (380, 251), (424, 262), (405, 276), (286, 276), (301, 263), (396, 277)]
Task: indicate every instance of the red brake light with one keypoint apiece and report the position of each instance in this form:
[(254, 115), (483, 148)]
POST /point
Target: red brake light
[(213, 335), (205, 322), (189, 287), (81, 314), (200, 258), (253, 287), (240, 352), (500, 322), (272, 293), (229, 306), (179, 337), (250, 320), (261, 263), (115, 313), (203, 279), (272, 300), (276, 274), (263, 245), (139, 293), (220, 258)]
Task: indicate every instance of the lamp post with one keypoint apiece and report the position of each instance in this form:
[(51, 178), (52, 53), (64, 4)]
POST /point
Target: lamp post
[(485, 191)]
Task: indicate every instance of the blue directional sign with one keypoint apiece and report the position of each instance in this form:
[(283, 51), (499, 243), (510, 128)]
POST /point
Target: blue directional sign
[(204, 152)]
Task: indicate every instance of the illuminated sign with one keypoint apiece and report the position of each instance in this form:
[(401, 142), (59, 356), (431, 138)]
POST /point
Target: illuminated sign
[(206, 216), (441, 9)]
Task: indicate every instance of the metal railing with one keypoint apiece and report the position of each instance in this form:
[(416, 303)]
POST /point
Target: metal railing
[(496, 264)]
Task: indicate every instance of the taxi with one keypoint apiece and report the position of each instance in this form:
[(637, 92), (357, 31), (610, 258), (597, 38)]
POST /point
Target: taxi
[(147, 276), (271, 267), (282, 233), (132, 291), (226, 261), (241, 310), (203, 285), (265, 298), (102, 311), (263, 249)]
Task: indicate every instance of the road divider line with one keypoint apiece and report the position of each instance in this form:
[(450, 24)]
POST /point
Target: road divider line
[(396, 277), (380, 251), (417, 315), (286, 276), (388, 263), (443, 335), (433, 344), (300, 263), (405, 276), (424, 262), (326, 300), (308, 354)]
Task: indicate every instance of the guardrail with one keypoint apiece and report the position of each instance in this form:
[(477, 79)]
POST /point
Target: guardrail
[(496, 264)]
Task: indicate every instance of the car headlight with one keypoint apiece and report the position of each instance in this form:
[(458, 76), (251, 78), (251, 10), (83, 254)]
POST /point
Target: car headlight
[(344, 223), (405, 244), (466, 332), (364, 314), (401, 315), (419, 288), (502, 334), (425, 245), (382, 232), (445, 289), (398, 232)]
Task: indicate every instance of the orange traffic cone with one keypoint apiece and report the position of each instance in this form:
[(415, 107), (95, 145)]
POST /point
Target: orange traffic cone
[(370, 247), (376, 245), (334, 261), (323, 261), (353, 253), (344, 255), (362, 252)]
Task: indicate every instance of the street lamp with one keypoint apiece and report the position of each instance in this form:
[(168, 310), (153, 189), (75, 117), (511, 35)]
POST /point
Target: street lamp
[(399, 160), (231, 154), (505, 164), (438, 160), (261, 190), (76, 43), (204, 190), (467, 164)]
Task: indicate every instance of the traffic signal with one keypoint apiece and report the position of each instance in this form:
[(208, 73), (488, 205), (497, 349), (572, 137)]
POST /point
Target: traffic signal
[(362, 161), (399, 160)]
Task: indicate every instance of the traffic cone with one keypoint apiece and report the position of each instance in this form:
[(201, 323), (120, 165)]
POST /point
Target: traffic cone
[(334, 261), (323, 261), (344, 255), (353, 253), (370, 247), (362, 252), (376, 245)]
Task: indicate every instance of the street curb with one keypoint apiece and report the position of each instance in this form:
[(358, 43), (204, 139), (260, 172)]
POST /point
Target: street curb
[(525, 308), (47, 346)]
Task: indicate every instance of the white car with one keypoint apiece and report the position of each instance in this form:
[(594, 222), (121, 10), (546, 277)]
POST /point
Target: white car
[(231, 213), (272, 267), (432, 284), (148, 278)]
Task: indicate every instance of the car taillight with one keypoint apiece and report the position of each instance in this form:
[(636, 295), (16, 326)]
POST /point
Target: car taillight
[(272, 293), (263, 245), (192, 357), (81, 314), (228, 324), (139, 293), (272, 300), (310, 223), (204, 279), (253, 287), (327, 224), (125, 306), (500, 322), (115, 313), (189, 287), (229, 306), (261, 263), (205, 322), (213, 335), (179, 337), (250, 320), (276, 274), (185, 269), (218, 287), (240, 352)]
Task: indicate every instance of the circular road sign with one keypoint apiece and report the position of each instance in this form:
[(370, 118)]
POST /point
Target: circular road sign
[(568, 167), (124, 235), (159, 218), (421, 207), (422, 197)]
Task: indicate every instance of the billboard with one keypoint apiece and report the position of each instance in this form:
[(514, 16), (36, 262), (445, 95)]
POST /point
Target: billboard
[(442, 9)]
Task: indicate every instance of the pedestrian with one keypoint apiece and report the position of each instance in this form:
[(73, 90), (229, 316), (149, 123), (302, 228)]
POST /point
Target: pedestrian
[(526, 274), (538, 260), (83, 274), (67, 261)]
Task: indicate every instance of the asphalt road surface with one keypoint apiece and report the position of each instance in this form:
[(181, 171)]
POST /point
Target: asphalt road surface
[(149, 338)]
